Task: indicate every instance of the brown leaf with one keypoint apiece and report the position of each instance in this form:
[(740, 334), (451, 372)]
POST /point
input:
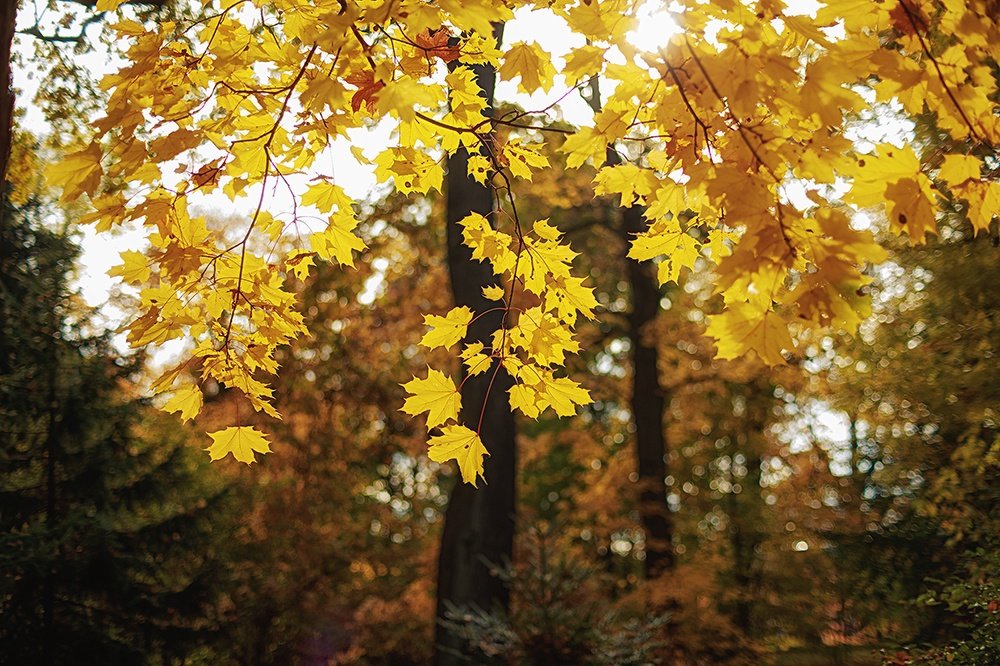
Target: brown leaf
[(367, 89), (438, 44)]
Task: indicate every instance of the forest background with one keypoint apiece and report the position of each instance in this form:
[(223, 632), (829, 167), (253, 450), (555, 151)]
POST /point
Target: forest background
[(840, 508)]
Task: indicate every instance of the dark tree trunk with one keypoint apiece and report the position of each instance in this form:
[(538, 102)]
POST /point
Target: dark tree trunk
[(648, 401), (9, 19), (479, 523), (746, 510)]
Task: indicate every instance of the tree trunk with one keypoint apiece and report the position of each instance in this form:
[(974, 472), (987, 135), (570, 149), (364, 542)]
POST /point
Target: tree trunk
[(9, 19), (647, 402), (479, 523), (648, 399)]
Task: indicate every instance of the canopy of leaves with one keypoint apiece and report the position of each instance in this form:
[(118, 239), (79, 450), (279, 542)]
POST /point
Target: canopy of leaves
[(741, 102)]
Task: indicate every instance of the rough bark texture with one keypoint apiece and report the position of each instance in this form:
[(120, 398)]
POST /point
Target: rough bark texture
[(647, 401), (479, 522)]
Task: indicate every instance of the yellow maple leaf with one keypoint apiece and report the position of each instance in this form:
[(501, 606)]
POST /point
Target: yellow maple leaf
[(338, 242), (436, 394), (584, 144), (187, 400), (743, 328), (627, 180), (910, 207), (493, 292), (326, 196), (984, 203), (77, 173), (529, 62), (956, 169), (582, 62), (521, 158), (562, 395), (134, 268), (447, 330), (241, 441), (526, 400), (462, 445), (666, 238), (476, 362)]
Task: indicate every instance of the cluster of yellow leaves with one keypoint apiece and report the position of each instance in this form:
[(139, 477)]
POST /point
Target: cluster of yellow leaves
[(530, 346), (744, 100)]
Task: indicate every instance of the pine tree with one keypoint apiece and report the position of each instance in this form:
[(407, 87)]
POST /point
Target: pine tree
[(106, 517)]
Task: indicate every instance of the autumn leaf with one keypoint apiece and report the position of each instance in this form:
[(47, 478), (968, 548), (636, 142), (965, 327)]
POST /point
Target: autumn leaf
[(367, 87), (187, 400), (435, 394), (77, 173), (134, 268), (338, 242), (447, 330), (742, 329), (240, 441), (493, 292), (563, 395), (526, 400), (463, 445), (531, 64), (437, 44)]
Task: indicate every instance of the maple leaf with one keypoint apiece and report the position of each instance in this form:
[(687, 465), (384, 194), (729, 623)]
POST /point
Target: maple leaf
[(531, 64), (435, 394), (134, 268), (627, 180), (208, 174), (742, 328), (338, 242), (77, 173), (476, 362), (666, 238), (367, 87), (446, 331), (187, 400), (493, 292), (526, 400), (521, 159), (326, 196), (563, 395), (463, 445), (911, 208), (437, 44), (241, 441), (956, 169)]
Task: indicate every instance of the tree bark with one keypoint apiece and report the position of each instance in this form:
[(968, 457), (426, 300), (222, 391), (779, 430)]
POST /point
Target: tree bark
[(647, 402), (479, 522), (648, 398), (9, 22)]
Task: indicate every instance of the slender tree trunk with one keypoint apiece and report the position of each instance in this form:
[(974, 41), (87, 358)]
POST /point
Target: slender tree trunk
[(479, 523), (9, 22), (52, 441), (648, 401), (745, 511)]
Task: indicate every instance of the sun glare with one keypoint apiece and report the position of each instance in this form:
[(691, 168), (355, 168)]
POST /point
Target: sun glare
[(655, 26)]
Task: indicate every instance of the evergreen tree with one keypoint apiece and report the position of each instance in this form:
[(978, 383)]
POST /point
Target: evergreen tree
[(106, 516)]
